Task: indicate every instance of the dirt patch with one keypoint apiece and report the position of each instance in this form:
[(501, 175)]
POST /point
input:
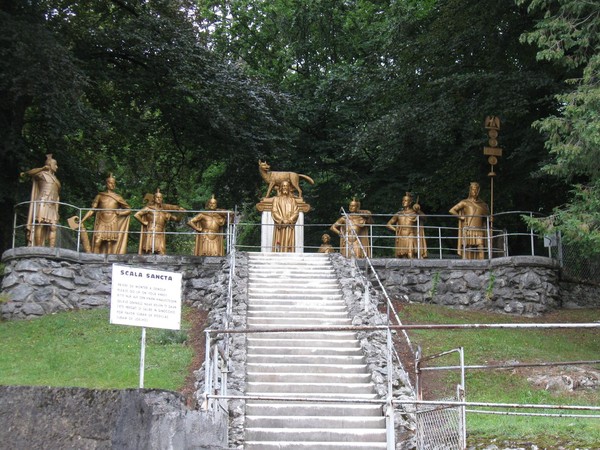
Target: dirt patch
[(433, 385), (196, 340)]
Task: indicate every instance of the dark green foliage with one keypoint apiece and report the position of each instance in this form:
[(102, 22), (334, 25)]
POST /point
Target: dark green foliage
[(370, 98), (569, 35)]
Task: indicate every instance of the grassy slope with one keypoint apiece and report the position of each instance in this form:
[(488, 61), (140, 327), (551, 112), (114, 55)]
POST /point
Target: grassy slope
[(495, 346), (81, 348)]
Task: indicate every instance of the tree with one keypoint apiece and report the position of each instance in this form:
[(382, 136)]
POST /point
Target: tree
[(568, 34), (390, 97), (127, 88)]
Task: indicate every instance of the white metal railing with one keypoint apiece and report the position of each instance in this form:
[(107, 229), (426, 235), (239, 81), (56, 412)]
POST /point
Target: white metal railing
[(440, 426), (179, 236), (390, 349), (440, 234), (217, 357)]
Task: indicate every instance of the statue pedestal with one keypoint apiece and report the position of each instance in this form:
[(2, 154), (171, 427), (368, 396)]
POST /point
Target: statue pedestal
[(267, 225)]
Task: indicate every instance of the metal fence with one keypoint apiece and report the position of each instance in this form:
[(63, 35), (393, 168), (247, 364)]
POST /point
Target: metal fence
[(577, 267), (439, 427), (507, 235)]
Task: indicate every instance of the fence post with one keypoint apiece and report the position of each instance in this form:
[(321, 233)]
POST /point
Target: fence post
[(418, 238), (14, 233), (531, 237), (390, 431), (489, 237), (560, 249), (207, 371)]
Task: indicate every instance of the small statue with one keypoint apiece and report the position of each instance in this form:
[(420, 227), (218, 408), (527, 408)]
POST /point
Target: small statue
[(285, 214), (472, 224), (326, 246), (354, 231), (43, 209), (111, 226), (154, 218), (209, 225), (275, 179), (407, 225)]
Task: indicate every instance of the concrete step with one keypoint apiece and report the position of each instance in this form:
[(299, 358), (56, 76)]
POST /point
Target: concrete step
[(273, 377), (309, 389), (316, 434), (283, 266), (288, 291), (311, 283), (307, 273), (315, 422), (315, 396), (304, 351), (283, 290), (290, 367), (307, 301), (304, 315), (305, 359), (274, 306), (289, 262), (308, 335), (301, 409), (291, 322), (287, 256), (313, 343), (280, 445), (334, 293)]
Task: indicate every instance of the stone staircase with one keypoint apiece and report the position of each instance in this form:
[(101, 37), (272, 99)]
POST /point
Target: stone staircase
[(289, 290)]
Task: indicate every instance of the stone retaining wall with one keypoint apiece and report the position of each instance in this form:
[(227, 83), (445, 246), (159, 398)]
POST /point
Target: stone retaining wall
[(39, 280), (90, 419), (527, 285)]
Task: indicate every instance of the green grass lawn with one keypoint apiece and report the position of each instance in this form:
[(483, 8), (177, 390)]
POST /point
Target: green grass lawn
[(511, 386), (82, 349)]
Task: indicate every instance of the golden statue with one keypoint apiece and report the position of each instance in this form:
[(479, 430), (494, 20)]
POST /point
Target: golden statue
[(275, 179), (43, 210), (407, 225), (111, 226), (285, 212), (209, 225), (472, 224), (326, 246), (354, 231), (154, 218)]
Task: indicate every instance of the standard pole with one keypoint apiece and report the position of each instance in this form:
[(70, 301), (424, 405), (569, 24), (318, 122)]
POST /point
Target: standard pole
[(142, 357)]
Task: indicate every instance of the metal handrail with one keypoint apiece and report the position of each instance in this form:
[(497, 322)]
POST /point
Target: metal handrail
[(439, 236), (220, 360)]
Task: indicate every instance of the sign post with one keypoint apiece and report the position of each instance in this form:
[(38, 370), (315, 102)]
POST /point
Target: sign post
[(145, 298)]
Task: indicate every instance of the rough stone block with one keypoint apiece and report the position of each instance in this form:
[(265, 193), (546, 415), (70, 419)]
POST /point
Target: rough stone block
[(32, 309)]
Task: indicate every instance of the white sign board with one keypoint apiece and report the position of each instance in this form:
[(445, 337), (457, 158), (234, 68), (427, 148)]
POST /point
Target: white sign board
[(145, 298)]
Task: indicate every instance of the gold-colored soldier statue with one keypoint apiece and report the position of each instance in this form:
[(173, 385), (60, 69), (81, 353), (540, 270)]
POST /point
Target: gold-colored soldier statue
[(43, 209), (354, 231), (472, 224), (407, 225), (209, 225), (285, 213), (111, 226), (326, 246), (154, 218)]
